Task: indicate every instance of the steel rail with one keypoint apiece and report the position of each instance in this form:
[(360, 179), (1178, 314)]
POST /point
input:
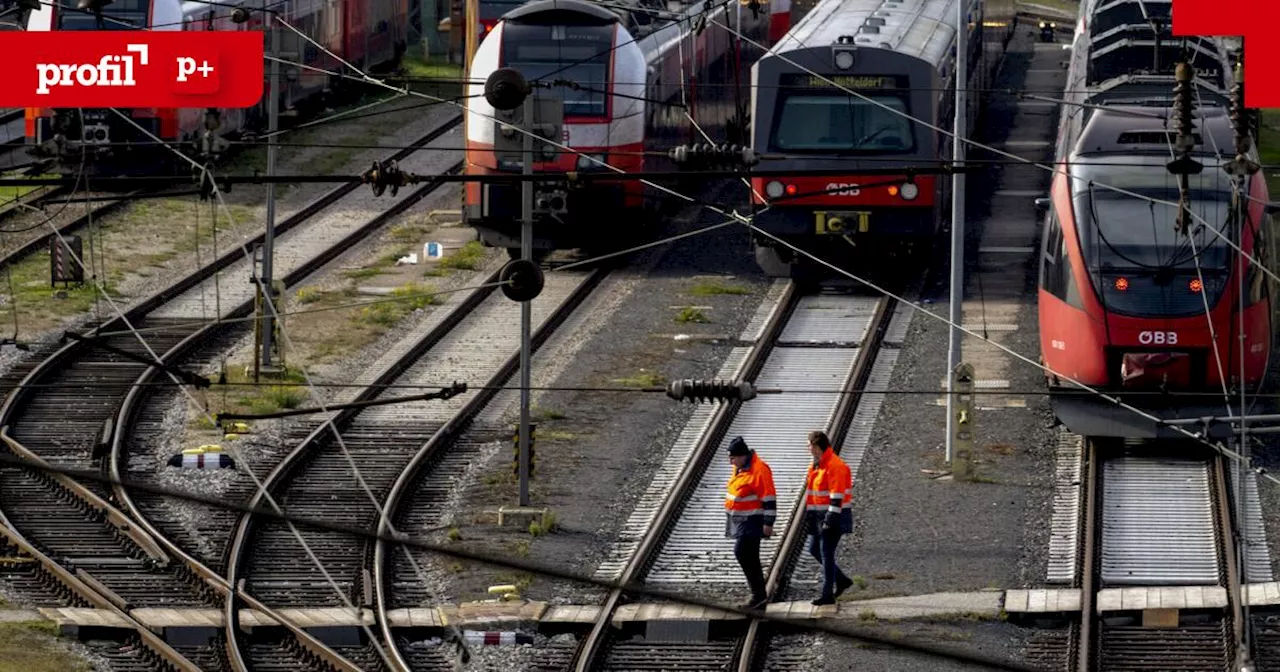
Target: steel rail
[(1089, 553), (789, 549), (16, 400), (131, 405), (81, 587), (445, 437), (22, 251), (292, 462), (1228, 540), (592, 647)]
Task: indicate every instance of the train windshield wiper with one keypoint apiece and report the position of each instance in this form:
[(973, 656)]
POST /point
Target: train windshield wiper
[(868, 138)]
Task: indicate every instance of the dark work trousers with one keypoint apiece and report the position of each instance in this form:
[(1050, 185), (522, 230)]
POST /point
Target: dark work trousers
[(822, 546), (747, 550)]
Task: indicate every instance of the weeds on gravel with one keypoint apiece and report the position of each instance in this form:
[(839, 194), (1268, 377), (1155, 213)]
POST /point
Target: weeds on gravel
[(642, 379), (716, 287), (465, 258), (690, 314), (541, 414), (413, 296), (32, 646)]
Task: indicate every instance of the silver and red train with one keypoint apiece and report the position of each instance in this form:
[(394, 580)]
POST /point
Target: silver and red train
[(899, 57), (1128, 303), (642, 81), (366, 33)]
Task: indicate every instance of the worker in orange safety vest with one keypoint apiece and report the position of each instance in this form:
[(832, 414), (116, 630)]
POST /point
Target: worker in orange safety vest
[(828, 499), (751, 507)]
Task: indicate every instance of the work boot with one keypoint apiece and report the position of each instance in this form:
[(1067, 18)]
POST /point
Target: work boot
[(842, 584), (823, 601)]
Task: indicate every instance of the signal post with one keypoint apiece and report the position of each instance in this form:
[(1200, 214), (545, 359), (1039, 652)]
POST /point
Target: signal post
[(516, 108)]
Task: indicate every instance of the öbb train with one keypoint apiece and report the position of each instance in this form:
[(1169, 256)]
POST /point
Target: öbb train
[(899, 57), (1127, 303), (369, 34), (643, 84)]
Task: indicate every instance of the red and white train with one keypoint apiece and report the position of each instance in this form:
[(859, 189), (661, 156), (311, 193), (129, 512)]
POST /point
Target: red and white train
[(369, 34), (641, 89), (1127, 302), (900, 59)]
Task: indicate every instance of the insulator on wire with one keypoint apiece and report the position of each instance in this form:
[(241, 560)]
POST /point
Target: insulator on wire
[(703, 156), (386, 174), (1183, 104), (711, 390)]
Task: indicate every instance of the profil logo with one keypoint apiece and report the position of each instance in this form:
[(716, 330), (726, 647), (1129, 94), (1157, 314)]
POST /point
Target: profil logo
[(1250, 19), (133, 69), (108, 71)]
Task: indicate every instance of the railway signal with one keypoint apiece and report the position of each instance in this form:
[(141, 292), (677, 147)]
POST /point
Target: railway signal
[(515, 108)]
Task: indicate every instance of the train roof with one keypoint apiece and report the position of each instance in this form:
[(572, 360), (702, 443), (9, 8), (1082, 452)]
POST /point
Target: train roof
[(1135, 129), (562, 12), (924, 29), (1154, 91)]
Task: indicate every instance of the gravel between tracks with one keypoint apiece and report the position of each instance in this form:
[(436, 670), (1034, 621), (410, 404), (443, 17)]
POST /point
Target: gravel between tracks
[(829, 653), (597, 451)]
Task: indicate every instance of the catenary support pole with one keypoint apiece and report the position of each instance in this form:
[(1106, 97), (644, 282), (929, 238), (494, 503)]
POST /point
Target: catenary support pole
[(526, 307), (957, 224), (268, 246)]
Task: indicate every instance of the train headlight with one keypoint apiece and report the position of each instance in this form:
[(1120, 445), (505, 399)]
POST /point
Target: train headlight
[(1043, 25), (909, 191), (774, 189), (844, 59), (585, 161)]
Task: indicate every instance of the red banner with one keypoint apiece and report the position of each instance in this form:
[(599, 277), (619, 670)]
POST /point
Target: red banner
[(1250, 19), (132, 68)]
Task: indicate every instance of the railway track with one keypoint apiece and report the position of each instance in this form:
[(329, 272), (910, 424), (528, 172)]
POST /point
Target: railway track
[(474, 343), (828, 342), (66, 409), (1157, 515)]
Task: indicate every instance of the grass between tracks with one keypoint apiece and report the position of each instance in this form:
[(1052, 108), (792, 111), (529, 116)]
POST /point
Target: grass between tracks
[(140, 241), (333, 319), (32, 646)]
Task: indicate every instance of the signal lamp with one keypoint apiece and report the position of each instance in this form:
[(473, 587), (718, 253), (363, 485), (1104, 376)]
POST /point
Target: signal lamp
[(1196, 286), (773, 189), (893, 191), (791, 190), (910, 191), (1122, 284)]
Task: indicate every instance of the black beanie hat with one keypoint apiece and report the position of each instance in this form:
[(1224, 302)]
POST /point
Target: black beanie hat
[(738, 447)]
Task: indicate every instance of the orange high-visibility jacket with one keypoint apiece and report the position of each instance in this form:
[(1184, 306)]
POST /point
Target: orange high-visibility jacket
[(828, 494), (750, 502)]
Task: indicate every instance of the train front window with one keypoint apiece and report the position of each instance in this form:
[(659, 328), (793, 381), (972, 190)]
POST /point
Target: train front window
[(119, 15), (1137, 260), (839, 123), (577, 54)]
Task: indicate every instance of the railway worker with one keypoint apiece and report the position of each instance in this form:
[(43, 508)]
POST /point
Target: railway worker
[(751, 508), (828, 499)]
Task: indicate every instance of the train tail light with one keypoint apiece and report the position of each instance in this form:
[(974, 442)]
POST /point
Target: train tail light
[(1121, 284), (909, 191), (1196, 286)]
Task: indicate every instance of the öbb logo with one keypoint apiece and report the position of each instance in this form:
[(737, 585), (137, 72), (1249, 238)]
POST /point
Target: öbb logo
[(1158, 338), (106, 73), (839, 189)]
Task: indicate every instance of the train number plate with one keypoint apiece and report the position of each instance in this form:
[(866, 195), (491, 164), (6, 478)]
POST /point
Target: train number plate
[(838, 223)]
